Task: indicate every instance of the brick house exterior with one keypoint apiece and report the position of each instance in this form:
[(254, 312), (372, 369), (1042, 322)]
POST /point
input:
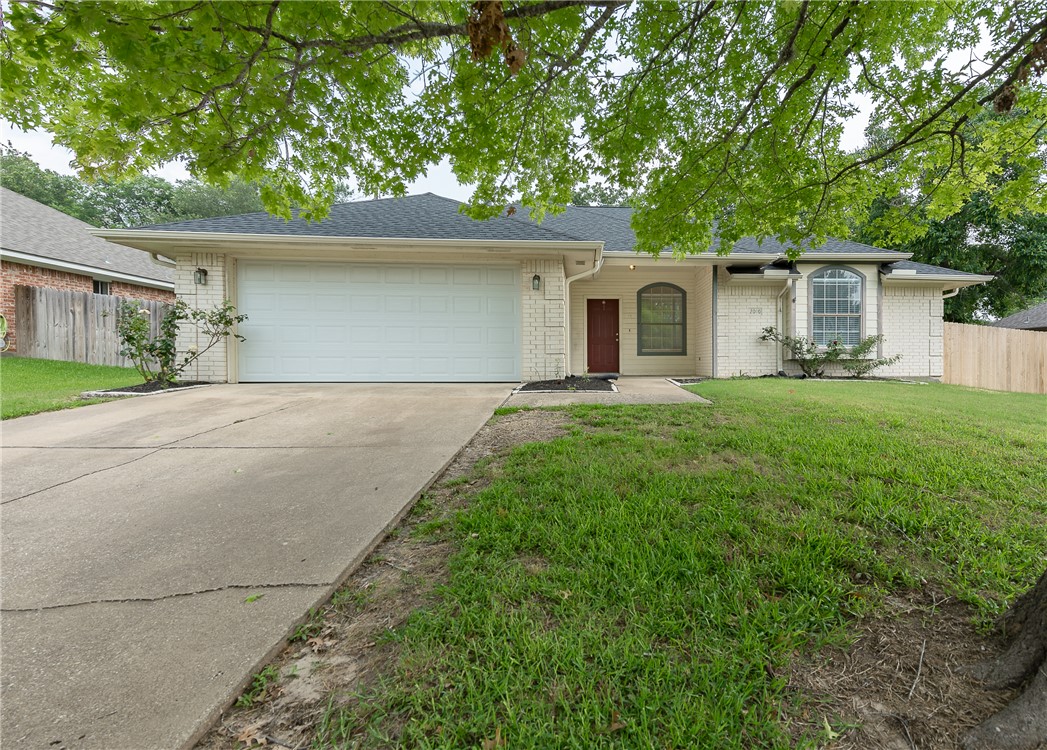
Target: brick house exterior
[(42, 247), (411, 289)]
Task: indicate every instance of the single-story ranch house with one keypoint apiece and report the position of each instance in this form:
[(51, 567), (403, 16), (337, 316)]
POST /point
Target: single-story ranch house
[(411, 289)]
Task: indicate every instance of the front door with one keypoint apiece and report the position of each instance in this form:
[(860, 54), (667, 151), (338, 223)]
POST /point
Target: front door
[(602, 329)]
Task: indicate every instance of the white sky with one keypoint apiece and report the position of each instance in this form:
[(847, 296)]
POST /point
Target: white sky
[(38, 144), (440, 180)]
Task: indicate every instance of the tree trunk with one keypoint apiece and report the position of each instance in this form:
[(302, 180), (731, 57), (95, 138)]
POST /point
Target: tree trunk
[(1022, 724)]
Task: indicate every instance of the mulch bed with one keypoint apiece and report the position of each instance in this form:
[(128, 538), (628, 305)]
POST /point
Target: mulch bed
[(573, 383), (154, 387)]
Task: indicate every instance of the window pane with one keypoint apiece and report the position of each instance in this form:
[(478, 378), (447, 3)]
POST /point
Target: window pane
[(836, 307), (661, 320)]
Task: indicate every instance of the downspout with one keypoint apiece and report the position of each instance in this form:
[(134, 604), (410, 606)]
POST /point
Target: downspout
[(715, 368), (779, 322), (953, 293), (166, 262), (597, 265)]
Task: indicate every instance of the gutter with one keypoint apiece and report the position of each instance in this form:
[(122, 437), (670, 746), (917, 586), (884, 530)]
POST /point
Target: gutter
[(150, 240), (102, 274), (598, 261), (162, 260)]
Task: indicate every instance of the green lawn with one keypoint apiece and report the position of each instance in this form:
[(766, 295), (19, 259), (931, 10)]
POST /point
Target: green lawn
[(644, 581), (28, 386)]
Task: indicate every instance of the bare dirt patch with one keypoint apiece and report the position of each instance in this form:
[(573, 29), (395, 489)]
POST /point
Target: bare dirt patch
[(898, 687), (340, 649)]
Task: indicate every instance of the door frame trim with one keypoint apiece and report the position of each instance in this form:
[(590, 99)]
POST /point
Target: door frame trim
[(585, 326)]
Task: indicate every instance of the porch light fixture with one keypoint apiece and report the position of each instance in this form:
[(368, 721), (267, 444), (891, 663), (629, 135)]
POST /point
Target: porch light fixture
[(536, 282), (200, 276)]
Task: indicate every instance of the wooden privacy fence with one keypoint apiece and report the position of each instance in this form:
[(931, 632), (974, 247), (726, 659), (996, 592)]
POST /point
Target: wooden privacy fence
[(1000, 359), (74, 326)]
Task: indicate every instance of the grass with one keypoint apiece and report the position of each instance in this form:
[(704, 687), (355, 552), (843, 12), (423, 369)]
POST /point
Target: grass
[(646, 580), (29, 386)]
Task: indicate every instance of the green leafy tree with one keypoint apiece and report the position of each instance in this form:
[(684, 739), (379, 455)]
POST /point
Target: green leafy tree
[(599, 195), (978, 237), (700, 111), (193, 199), (18, 172)]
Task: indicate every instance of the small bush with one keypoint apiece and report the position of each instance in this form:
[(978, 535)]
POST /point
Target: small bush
[(813, 359), (156, 359)]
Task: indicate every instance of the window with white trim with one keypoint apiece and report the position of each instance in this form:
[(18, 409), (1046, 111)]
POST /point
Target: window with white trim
[(100, 287), (836, 307), (661, 311)]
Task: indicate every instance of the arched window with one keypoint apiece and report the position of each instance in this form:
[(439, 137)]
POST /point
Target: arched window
[(836, 306), (661, 311)]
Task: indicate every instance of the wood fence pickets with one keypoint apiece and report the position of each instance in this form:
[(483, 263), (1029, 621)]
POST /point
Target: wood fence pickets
[(999, 359), (74, 326)]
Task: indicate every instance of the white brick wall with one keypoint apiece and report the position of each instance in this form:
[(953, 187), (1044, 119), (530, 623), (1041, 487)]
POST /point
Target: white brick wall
[(212, 366), (743, 310), (543, 315), (912, 326)]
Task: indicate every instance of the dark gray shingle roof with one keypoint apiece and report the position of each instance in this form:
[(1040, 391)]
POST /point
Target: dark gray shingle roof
[(30, 227), (1031, 319), (424, 216), (922, 269), (430, 216)]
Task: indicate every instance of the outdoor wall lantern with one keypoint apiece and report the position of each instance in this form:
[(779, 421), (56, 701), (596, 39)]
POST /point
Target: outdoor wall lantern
[(536, 282), (200, 276)]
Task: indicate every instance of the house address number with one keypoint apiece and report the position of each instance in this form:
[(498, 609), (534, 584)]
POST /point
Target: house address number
[(756, 311)]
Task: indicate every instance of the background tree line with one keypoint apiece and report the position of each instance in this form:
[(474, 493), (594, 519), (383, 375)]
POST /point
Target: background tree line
[(144, 199)]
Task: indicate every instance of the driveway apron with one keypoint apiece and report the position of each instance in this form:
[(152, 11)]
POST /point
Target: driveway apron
[(156, 551)]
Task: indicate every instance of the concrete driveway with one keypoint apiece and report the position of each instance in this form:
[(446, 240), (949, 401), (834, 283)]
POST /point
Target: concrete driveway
[(134, 532)]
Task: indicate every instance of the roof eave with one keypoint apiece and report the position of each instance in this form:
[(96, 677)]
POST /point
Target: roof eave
[(102, 274), (159, 241), (948, 281)]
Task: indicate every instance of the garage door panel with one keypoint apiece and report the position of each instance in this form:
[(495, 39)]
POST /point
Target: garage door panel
[(374, 322)]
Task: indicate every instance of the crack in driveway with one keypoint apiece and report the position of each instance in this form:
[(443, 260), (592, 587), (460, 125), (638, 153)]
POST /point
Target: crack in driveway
[(155, 449), (176, 595)]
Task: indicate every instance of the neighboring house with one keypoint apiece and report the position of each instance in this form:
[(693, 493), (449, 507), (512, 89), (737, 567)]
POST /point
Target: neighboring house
[(1033, 319), (411, 289), (41, 246)]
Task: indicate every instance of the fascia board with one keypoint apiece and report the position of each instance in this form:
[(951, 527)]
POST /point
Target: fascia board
[(158, 241), (102, 274)]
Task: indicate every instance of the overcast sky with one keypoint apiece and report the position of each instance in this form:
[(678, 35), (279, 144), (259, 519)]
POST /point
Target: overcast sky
[(440, 180)]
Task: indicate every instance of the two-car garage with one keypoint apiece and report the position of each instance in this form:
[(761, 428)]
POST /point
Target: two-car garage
[(392, 322)]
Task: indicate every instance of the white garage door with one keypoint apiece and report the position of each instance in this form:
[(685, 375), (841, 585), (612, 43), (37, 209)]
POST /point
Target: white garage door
[(345, 322)]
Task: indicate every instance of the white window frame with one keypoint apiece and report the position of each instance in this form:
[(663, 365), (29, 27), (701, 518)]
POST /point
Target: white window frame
[(811, 314)]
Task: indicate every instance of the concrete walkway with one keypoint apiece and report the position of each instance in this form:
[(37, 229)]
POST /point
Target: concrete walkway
[(631, 390), (134, 532)]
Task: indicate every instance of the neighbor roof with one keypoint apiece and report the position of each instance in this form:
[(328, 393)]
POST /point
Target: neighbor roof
[(430, 216), (1034, 318), (32, 228)]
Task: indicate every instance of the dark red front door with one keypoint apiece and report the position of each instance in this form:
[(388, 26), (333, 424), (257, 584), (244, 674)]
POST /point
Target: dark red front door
[(601, 317)]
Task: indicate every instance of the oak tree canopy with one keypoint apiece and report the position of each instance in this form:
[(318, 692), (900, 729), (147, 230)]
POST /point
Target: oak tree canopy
[(707, 111)]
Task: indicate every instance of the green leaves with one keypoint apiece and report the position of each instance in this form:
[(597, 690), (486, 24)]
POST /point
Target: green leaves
[(703, 112)]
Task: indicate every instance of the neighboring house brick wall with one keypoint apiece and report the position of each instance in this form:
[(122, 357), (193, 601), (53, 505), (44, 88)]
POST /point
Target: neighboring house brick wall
[(21, 274), (212, 366), (134, 291), (544, 328), (743, 310)]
